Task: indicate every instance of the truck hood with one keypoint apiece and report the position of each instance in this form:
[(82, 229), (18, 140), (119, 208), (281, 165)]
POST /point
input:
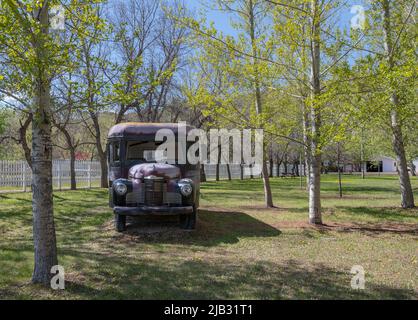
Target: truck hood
[(166, 171)]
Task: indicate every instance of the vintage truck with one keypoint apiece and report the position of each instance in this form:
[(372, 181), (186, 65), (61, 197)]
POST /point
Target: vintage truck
[(139, 185)]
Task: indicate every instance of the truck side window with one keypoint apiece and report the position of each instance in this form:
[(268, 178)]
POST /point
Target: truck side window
[(110, 153), (116, 151)]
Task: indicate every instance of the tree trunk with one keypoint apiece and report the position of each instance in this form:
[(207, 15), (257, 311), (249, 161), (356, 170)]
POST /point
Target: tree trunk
[(92, 110), (340, 186), (102, 154), (218, 164), (202, 173), (296, 166), (104, 171), (71, 146), (407, 196), (285, 163), (228, 169), (268, 197), (413, 168), (362, 163), (278, 164), (258, 102), (72, 169), (23, 140), (42, 201), (307, 143), (300, 171), (120, 114), (315, 216)]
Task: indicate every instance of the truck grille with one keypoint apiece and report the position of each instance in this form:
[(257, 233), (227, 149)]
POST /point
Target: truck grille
[(135, 198), (154, 191)]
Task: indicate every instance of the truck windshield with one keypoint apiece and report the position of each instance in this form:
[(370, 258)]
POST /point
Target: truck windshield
[(145, 151)]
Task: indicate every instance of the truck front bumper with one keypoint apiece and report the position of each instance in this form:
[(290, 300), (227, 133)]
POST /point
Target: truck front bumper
[(144, 210)]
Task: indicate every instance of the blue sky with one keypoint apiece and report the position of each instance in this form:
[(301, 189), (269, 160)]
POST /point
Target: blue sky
[(222, 20)]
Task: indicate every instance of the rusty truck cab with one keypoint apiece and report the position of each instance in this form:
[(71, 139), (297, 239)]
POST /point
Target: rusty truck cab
[(139, 185)]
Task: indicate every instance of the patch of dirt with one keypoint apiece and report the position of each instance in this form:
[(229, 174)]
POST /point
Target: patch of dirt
[(243, 208), (371, 228), (166, 228), (74, 277), (351, 197)]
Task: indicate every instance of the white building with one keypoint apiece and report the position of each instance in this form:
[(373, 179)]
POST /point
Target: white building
[(416, 165), (387, 164)]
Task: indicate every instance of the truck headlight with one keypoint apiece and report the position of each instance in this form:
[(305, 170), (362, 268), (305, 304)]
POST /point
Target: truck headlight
[(120, 188), (186, 187)]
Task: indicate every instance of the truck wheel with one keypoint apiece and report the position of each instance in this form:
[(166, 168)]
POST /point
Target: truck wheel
[(120, 223), (188, 221)]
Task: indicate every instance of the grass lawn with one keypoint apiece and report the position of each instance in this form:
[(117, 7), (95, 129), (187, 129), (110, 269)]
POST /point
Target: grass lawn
[(239, 251)]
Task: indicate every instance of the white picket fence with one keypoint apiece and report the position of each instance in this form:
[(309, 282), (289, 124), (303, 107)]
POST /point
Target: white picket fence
[(235, 169), (17, 175)]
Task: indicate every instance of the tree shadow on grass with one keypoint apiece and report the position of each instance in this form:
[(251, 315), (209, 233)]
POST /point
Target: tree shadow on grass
[(361, 189), (23, 213), (212, 228), (15, 198), (363, 214), (227, 227), (395, 214), (112, 270), (114, 277), (111, 275)]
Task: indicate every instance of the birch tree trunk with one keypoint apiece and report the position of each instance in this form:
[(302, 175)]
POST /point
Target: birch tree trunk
[(307, 144), (315, 216), (407, 196), (268, 197), (42, 201)]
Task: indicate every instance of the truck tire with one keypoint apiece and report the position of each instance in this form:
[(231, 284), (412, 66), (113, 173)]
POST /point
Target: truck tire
[(188, 221), (120, 223)]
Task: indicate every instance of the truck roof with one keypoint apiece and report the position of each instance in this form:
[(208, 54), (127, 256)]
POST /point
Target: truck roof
[(135, 129)]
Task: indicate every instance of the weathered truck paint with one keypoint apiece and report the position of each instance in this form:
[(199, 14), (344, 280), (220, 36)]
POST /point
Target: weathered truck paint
[(151, 188)]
